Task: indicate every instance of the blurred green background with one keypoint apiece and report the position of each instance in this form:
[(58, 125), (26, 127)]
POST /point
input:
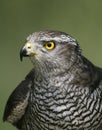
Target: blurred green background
[(18, 18)]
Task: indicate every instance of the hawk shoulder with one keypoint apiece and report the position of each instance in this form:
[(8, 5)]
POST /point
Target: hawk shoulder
[(18, 100)]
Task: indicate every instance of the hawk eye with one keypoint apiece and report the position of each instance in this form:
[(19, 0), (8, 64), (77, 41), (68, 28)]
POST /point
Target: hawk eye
[(49, 45)]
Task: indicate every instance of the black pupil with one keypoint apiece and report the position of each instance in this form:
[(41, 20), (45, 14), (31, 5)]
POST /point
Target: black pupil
[(49, 44)]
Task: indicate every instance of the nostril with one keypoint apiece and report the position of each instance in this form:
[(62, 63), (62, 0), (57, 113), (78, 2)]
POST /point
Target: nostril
[(29, 47)]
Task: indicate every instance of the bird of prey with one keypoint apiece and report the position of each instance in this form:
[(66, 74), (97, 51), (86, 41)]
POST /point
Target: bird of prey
[(63, 91)]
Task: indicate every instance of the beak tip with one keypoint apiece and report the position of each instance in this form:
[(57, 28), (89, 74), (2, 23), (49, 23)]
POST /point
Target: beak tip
[(21, 58), (23, 53)]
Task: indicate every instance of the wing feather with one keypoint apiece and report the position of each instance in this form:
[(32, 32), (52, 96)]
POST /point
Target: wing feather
[(18, 100)]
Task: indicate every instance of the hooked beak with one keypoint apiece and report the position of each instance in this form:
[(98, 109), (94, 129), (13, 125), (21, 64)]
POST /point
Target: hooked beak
[(23, 53), (26, 51)]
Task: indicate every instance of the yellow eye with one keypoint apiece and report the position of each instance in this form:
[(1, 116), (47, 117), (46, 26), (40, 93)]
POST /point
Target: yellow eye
[(49, 45)]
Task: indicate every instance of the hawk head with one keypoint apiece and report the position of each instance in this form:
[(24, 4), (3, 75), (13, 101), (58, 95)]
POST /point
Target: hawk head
[(51, 48)]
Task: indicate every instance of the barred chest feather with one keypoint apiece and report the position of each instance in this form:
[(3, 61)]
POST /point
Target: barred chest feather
[(58, 107)]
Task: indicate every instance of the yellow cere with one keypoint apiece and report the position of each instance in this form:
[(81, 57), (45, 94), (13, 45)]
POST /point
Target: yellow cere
[(28, 45), (49, 45)]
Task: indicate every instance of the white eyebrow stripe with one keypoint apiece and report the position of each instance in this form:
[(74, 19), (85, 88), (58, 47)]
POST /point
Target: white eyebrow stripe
[(60, 38)]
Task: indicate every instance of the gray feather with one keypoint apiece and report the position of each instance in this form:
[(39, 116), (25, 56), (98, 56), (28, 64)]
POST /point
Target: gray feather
[(64, 90)]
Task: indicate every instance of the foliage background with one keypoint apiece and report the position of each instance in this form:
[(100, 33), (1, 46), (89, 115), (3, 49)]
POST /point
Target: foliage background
[(18, 18)]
